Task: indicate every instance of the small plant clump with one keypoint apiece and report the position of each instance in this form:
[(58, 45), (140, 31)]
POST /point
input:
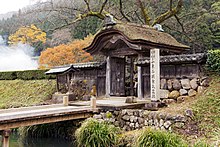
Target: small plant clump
[(94, 133), (157, 138)]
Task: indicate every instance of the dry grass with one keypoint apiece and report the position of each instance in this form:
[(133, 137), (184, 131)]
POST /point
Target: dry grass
[(17, 93)]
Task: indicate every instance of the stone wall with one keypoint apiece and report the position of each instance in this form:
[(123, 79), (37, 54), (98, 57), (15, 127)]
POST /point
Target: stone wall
[(131, 119), (177, 90)]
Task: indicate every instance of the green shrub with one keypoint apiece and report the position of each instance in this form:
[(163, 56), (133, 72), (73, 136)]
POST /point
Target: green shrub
[(157, 138), (11, 75), (213, 60), (93, 133), (202, 144), (25, 75)]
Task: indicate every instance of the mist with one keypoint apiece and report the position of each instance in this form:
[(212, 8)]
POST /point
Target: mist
[(19, 57)]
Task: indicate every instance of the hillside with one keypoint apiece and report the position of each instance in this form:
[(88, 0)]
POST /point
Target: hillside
[(17, 93)]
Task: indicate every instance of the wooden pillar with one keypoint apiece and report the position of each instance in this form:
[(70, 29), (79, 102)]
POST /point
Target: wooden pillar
[(132, 76), (57, 84), (68, 82), (140, 85), (108, 77), (155, 74), (5, 138)]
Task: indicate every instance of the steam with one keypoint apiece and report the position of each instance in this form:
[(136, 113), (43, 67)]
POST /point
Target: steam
[(16, 57)]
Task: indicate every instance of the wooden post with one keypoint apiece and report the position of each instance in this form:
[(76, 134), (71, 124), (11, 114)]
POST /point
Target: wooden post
[(155, 74), (140, 86), (57, 84), (5, 138), (65, 100), (132, 77), (68, 82), (93, 102), (108, 77)]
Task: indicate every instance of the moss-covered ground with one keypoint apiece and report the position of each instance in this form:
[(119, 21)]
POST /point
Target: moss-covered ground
[(18, 93)]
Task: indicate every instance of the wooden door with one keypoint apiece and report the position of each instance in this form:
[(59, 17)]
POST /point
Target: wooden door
[(117, 76)]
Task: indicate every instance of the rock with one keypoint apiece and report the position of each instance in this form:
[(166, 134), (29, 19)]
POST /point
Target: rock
[(156, 122), (201, 89), (146, 122), (164, 94), (192, 92), (161, 115), (136, 125), (169, 84), (136, 113), (126, 117), (180, 118), (163, 84), (161, 122), (183, 92), (176, 84), (116, 123), (132, 125), (133, 118), (204, 82), (96, 116), (124, 112), (189, 113), (167, 124), (180, 99), (116, 113), (140, 120), (185, 83), (86, 98), (174, 94), (194, 83), (168, 101), (150, 122), (130, 112)]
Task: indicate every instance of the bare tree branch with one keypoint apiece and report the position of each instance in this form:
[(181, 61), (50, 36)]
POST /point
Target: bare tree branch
[(121, 11), (103, 6), (87, 5), (144, 12), (178, 20), (169, 13)]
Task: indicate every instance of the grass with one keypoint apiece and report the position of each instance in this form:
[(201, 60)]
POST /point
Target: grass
[(17, 93), (207, 108), (94, 133), (156, 138)]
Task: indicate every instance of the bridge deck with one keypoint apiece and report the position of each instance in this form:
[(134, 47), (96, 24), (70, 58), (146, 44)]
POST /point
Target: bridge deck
[(17, 117)]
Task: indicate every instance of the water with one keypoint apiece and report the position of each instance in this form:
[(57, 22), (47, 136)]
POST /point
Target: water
[(16, 141)]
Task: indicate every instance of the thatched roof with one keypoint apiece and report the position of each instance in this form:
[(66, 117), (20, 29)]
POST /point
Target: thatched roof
[(133, 36)]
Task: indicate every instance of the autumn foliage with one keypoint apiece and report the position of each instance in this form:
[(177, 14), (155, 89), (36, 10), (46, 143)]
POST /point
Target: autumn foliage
[(66, 53), (28, 34)]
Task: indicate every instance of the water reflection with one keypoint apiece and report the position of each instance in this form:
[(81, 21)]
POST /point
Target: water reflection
[(16, 141)]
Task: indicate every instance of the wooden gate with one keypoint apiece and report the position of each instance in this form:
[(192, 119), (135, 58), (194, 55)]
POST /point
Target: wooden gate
[(117, 76)]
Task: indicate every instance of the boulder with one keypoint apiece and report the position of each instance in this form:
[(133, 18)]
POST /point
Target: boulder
[(176, 84), (185, 83), (194, 83), (192, 92), (204, 82), (164, 94), (167, 124), (86, 98), (183, 92), (169, 84), (181, 99), (201, 89), (174, 94), (168, 101), (163, 84)]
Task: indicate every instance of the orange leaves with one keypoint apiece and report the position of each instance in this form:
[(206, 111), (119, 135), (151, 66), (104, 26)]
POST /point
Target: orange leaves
[(66, 54)]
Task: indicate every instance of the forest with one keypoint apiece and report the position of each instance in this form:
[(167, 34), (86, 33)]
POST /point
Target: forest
[(54, 25)]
